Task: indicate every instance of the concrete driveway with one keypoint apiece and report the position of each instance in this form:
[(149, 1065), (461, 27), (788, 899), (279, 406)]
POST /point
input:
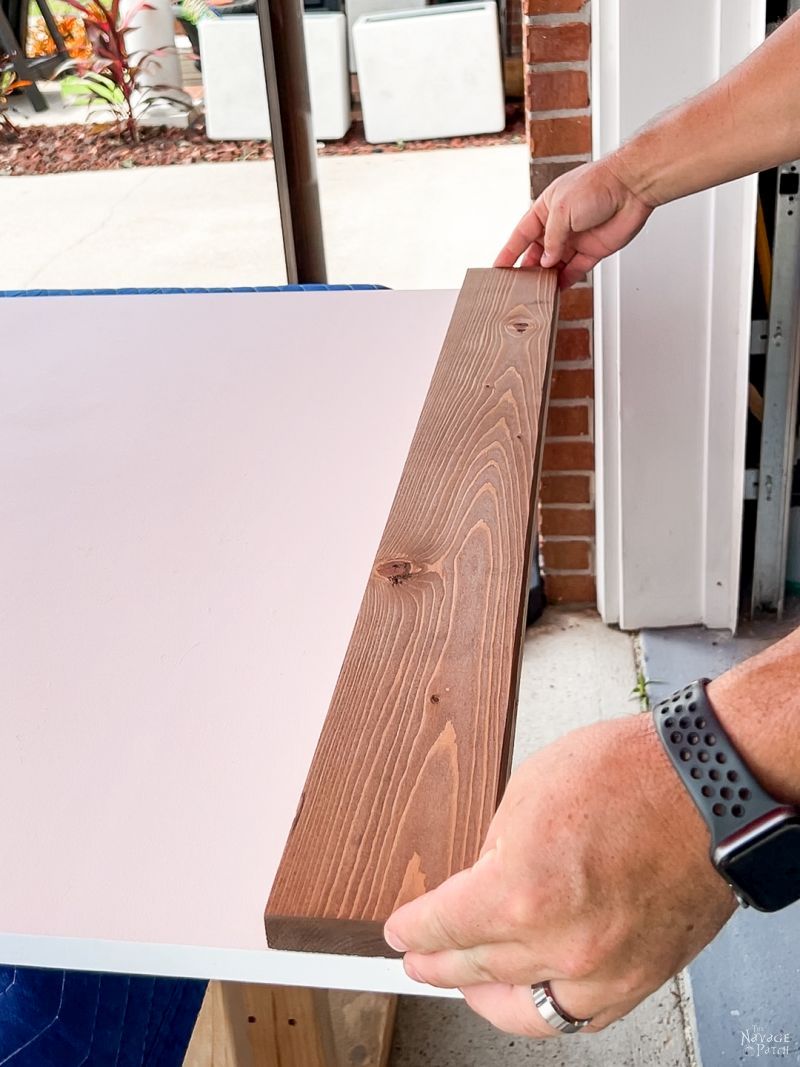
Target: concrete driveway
[(406, 220)]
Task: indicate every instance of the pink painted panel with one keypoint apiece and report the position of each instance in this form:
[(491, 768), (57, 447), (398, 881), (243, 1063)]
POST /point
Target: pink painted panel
[(192, 489)]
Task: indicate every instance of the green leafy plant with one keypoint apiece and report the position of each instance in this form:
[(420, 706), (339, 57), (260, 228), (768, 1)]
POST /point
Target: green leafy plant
[(639, 691), (110, 81), (195, 11), (8, 83)]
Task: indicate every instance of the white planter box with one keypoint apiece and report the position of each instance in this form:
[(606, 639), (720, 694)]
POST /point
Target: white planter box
[(435, 72), (355, 9), (152, 29), (233, 77)]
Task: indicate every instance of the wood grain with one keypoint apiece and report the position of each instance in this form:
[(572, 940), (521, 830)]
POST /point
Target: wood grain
[(414, 752), (246, 1025)]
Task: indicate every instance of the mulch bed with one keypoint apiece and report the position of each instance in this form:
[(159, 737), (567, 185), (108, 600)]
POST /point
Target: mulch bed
[(57, 149)]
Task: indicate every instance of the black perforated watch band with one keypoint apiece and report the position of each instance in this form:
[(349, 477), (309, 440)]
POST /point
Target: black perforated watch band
[(719, 782)]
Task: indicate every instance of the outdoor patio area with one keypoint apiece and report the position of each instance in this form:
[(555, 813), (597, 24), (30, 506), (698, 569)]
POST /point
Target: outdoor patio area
[(405, 220), (377, 305)]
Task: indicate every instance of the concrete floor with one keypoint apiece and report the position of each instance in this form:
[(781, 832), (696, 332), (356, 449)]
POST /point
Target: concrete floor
[(412, 220), (575, 671)]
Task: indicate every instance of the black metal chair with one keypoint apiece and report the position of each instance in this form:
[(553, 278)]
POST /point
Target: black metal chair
[(13, 42)]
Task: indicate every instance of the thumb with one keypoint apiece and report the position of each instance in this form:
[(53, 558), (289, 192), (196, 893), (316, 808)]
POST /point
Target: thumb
[(461, 912)]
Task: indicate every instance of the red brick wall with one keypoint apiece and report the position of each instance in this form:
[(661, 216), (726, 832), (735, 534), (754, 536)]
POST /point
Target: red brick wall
[(556, 58)]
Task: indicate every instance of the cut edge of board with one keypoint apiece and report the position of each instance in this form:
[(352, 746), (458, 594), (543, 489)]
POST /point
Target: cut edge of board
[(303, 928), (511, 720), (339, 937)]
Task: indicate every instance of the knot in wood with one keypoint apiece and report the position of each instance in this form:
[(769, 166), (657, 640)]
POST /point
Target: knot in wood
[(518, 325), (395, 570)]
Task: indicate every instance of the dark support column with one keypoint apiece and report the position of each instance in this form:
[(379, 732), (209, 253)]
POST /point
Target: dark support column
[(294, 148)]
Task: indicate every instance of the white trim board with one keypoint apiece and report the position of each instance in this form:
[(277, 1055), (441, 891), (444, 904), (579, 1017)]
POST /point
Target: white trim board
[(672, 335), (314, 970)]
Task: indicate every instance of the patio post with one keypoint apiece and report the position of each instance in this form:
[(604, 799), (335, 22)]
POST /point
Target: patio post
[(293, 143)]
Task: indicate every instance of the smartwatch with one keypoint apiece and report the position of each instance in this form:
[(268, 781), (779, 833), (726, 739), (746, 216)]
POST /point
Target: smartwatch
[(755, 839)]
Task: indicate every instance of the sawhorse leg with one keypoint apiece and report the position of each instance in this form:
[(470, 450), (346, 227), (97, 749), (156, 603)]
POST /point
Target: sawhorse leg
[(242, 1025)]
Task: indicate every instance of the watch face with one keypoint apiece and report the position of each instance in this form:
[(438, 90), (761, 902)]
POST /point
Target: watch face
[(767, 869)]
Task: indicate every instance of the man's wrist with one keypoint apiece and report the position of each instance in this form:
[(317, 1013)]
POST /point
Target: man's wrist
[(670, 158), (641, 166), (684, 830), (758, 704)]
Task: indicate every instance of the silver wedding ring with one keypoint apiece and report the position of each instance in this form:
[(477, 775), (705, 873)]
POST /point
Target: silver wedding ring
[(552, 1014)]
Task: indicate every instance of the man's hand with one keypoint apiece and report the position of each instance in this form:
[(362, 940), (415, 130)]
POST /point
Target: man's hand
[(595, 876), (582, 217)]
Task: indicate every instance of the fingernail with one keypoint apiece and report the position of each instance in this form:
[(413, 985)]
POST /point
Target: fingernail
[(393, 941), (412, 972)]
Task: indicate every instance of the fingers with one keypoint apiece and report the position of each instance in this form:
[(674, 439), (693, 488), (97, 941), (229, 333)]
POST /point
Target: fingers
[(462, 912), (564, 282), (556, 235), (533, 256), (542, 235), (528, 230), (511, 1007), (455, 968), (576, 269)]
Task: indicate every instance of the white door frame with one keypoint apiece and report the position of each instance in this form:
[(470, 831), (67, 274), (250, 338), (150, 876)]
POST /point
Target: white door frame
[(672, 333)]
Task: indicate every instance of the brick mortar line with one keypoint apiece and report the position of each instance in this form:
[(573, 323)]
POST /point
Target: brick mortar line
[(557, 66), (558, 573), (560, 113), (574, 364), (569, 507), (585, 157), (560, 474), (572, 507), (558, 538), (582, 439), (576, 324), (565, 402), (560, 18)]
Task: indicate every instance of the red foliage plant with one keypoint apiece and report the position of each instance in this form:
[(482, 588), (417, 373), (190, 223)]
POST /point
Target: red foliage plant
[(111, 77)]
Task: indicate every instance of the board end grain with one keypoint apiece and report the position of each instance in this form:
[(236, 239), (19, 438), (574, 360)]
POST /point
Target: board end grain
[(345, 937)]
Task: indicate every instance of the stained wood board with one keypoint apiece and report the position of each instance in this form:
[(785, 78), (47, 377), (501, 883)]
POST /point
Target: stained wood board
[(414, 752)]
